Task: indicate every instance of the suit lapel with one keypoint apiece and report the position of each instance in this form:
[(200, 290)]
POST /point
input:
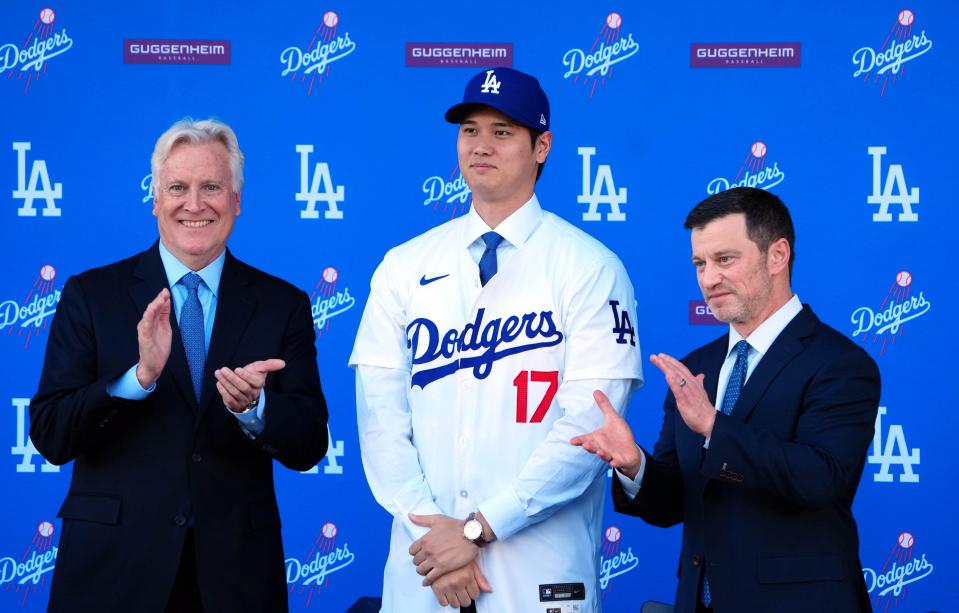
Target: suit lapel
[(714, 359), (783, 350), (150, 278), (234, 308)]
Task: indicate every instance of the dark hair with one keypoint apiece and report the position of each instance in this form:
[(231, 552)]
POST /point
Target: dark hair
[(767, 218), (533, 137)]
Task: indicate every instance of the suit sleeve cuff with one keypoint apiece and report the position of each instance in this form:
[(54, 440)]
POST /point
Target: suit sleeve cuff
[(127, 386)]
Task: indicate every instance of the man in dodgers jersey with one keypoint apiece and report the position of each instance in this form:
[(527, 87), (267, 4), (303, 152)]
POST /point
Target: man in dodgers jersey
[(476, 359)]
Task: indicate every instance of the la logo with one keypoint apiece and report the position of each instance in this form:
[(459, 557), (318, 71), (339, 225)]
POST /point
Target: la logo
[(883, 194), (320, 188), (491, 85), (39, 177)]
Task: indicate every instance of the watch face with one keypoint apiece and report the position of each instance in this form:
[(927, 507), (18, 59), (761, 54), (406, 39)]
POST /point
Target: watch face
[(473, 529)]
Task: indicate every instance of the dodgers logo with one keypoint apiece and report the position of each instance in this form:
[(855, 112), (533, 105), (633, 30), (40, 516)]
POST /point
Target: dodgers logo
[(320, 188), (39, 187), (895, 451), (328, 301), (29, 317), (23, 446), (146, 185), (491, 85), (325, 48), (519, 333), (882, 191), (334, 452), (27, 573), (595, 65), (450, 195), (622, 327), (325, 558), (887, 321), (601, 190), (614, 562), (754, 171), (902, 568), (41, 45), (886, 64)]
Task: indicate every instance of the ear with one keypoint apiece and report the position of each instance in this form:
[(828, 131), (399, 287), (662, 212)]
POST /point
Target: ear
[(777, 256), (236, 204), (543, 145)]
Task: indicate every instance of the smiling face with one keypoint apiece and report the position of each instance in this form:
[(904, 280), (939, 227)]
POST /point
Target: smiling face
[(497, 159), (742, 285), (195, 203)]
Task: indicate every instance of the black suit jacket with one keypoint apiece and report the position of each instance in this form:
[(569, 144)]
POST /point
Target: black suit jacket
[(144, 471), (767, 507)]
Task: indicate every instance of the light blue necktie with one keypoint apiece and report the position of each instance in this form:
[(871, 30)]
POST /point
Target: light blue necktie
[(191, 331), (733, 387), (487, 263)]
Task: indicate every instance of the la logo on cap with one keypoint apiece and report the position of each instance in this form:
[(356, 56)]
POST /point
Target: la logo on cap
[(491, 85)]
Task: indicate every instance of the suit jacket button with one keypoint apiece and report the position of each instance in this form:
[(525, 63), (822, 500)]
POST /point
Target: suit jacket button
[(179, 520), (697, 560), (196, 457)]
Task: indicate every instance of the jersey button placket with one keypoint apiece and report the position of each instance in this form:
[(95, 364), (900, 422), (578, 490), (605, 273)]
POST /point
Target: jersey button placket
[(465, 421)]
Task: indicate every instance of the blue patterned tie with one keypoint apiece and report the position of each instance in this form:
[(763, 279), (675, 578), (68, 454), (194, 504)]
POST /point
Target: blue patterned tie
[(733, 387), (487, 263), (191, 331)]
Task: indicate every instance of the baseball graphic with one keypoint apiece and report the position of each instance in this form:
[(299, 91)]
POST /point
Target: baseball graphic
[(905, 17), (613, 534), (46, 529), (614, 20), (903, 278), (906, 540), (329, 530), (48, 272), (758, 149), (330, 19), (47, 15), (330, 274)]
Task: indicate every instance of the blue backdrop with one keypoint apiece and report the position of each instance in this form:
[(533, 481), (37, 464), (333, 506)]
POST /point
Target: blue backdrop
[(846, 110)]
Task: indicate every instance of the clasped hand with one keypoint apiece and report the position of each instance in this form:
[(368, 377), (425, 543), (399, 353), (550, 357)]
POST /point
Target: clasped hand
[(447, 561)]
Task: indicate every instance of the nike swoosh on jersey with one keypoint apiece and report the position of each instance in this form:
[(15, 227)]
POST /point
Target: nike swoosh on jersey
[(425, 281)]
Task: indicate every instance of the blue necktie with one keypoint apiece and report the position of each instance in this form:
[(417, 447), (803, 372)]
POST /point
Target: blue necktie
[(733, 387), (487, 263), (191, 331)]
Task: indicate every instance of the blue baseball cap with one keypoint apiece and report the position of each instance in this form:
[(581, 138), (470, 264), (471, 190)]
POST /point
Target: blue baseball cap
[(511, 92)]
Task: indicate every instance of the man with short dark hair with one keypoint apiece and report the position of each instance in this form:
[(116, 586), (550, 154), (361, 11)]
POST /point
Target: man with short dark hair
[(476, 358), (173, 379), (765, 433)]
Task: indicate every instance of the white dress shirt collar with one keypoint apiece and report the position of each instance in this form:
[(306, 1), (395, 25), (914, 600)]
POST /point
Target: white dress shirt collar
[(763, 337), (515, 229)]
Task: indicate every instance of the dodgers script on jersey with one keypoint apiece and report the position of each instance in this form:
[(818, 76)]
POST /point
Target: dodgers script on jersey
[(467, 397)]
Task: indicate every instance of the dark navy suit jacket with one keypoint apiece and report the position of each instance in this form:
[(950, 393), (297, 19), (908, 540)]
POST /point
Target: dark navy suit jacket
[(144, 471), (767, 507)]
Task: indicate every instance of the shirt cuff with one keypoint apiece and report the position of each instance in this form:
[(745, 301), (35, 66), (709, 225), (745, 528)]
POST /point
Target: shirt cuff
[(128, 386), (631, 486), (505, 514), (252, 421)]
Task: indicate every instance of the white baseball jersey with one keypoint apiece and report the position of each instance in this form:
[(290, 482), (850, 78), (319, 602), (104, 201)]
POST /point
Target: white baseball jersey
[(467, 397)]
